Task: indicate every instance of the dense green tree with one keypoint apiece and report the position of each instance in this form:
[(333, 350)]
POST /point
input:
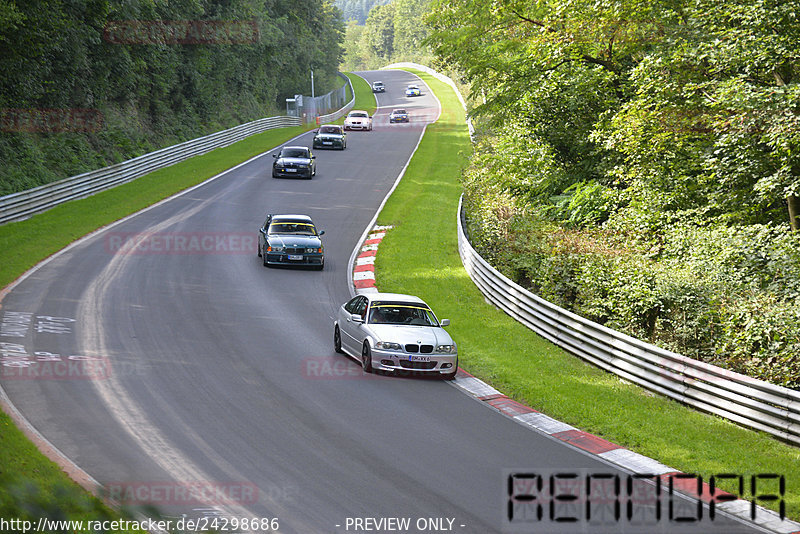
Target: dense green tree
[(711, 127), (410, 31), (392, 33), (686, 106), (636, 162), (150, 90), (358, 10), (379, 36)]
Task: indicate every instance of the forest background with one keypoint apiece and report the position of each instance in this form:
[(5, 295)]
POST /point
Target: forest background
[(638, 164)]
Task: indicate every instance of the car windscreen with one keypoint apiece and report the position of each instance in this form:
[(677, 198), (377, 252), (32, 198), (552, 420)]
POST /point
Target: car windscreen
[(359, 115), (404, 313), (291, 227), (399, 112), (329, 130), (294, 153)]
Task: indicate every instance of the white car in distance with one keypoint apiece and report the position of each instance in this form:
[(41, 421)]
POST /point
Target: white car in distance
[(358, 120)]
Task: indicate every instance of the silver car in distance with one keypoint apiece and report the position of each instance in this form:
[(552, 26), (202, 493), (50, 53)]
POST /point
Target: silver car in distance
[(397, 333)]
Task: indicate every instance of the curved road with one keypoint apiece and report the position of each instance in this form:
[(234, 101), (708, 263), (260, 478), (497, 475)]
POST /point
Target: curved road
[(208, 367)]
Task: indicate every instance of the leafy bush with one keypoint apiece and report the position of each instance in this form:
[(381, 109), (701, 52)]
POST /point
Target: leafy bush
[(725, 295)]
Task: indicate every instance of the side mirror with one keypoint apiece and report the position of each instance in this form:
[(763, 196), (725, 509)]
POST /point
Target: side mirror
[(321, 232), (313, 157), (274, 155), (356, 318), (445, 322)]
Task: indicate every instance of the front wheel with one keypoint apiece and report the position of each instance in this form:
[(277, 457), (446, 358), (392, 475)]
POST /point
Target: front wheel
[(337, 340), (366, 358)]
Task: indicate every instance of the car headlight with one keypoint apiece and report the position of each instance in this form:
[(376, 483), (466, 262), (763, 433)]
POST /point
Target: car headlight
[(314, 250), (445, 349), (274, 249), (388, 345)]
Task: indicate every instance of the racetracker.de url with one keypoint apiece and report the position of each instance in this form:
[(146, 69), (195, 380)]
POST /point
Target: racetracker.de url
[(217, 524)]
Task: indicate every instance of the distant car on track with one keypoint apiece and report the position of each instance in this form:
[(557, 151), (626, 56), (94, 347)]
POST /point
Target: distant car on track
[(378, 87), (398, 115), (294, 161), (397, 333), (413, 90), (290, 240), (358, 120), (330, 136)]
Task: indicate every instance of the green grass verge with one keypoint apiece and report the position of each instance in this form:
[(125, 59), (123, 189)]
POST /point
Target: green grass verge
[(365, 99), (32, 486), (420, 256), (24, 472)]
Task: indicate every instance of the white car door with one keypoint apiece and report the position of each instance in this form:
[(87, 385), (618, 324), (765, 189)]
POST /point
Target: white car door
[(351, 330)]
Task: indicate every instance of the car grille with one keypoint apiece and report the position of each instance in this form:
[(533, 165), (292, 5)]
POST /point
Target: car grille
[(424, 349), (423, 366), (295, 250)]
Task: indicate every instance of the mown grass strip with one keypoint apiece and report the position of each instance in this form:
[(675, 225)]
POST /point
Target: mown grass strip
[(24, 471), (365, 99), (420, 256)]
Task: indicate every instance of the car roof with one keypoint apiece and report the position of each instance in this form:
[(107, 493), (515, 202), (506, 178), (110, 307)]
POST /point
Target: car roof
[(377, 81), (290, 217), (358, 111), (399, 110), (295, 146), (336, 125), (398, 297)]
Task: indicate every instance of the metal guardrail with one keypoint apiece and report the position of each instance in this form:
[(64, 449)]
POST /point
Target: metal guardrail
[(25, 203), (747, 401)]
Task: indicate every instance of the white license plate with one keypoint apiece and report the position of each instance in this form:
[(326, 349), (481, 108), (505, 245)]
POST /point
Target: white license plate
[(419, 358), (295, 256), (327, 142), (291, 170)]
